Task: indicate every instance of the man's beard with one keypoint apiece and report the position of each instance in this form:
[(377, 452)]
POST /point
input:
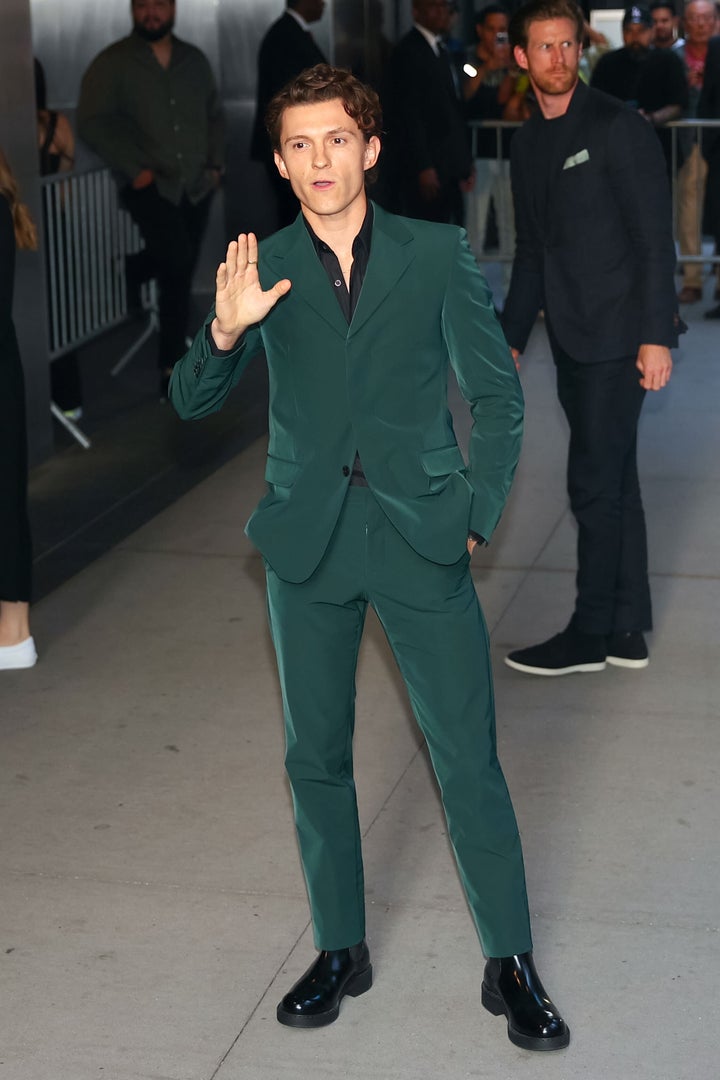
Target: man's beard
[(554, 85), (154, 34), (638, 51)]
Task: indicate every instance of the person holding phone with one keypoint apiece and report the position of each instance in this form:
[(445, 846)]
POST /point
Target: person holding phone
[(488, 90)]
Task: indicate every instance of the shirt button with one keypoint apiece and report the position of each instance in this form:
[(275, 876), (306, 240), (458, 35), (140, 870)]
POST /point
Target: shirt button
[(337, 283), (172, 100), (179, 157), (346, 470), (176, 128)]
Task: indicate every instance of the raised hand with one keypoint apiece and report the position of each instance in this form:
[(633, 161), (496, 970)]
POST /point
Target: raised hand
[(239, 298)]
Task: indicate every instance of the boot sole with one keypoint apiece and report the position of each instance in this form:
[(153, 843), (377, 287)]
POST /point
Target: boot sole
[(622, 661), (528, 669), (359, 984), (495, 1005)]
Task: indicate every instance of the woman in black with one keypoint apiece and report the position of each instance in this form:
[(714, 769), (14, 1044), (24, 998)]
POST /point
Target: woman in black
[(56, 144), (17, 648)]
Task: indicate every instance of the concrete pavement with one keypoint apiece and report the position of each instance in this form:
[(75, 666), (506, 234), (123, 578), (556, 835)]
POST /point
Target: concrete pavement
[(152, 909)]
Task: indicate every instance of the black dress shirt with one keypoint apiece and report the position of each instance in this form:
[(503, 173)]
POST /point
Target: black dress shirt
[(347, 298), (361, 253)]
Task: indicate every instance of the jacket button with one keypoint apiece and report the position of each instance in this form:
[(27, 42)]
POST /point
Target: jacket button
[(346, 470)]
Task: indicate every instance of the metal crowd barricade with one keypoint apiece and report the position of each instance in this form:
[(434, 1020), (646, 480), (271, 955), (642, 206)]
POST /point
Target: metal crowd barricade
[(87, 237), (676, 128)]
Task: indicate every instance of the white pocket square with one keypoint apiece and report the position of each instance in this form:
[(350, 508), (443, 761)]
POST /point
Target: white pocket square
[(576, 159)]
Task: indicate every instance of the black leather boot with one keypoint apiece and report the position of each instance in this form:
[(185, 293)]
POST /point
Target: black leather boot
[(511, 986), (315, 998)]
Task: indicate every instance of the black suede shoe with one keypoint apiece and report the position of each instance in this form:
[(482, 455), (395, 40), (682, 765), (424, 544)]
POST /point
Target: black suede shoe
[(628, 650), (563, 654), (315, 999), (511, 986)]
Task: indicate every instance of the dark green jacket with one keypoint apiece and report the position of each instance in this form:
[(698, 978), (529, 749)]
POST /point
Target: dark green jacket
[(379, 387)]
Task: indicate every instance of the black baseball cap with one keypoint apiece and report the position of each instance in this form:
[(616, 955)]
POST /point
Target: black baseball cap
[(637, 14)]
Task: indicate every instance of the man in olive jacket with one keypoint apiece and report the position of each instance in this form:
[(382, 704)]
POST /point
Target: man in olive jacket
[(369, 502), (149, 107)]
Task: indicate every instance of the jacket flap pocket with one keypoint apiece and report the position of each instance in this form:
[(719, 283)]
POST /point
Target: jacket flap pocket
[(282, 473), (446, 459)]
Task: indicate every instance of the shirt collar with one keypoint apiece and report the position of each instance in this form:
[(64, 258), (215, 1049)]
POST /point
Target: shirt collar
[(363, 238), (432, 39), (298, 19)]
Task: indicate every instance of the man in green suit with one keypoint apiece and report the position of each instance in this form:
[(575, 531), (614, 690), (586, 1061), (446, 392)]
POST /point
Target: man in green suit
[(369, 502)]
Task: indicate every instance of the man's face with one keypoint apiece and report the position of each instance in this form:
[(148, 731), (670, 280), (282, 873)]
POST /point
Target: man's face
[(488, 31), (663, 31), (699, 21), (637, 37), (434, 15), (552, 56), (153, 18), (311, 10), (324, 155)]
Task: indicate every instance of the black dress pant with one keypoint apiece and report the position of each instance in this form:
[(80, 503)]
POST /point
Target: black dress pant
[(602, 403), (172, 236)]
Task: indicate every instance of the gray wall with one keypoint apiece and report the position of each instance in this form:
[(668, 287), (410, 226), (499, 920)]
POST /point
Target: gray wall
[(18, 139)]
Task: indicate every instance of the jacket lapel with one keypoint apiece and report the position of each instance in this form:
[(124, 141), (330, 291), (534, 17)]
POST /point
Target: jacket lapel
[(391, 252), (544, 215), (298, 261), (569, 143)]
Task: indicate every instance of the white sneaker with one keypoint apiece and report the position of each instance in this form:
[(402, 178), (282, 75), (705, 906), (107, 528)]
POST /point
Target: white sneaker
[(23, 655)]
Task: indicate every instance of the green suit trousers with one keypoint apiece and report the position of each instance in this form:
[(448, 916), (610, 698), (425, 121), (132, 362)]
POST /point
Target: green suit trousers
[(433, 622)]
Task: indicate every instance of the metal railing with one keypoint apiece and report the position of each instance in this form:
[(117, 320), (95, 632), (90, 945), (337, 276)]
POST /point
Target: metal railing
[(676, 129), (87, 236)]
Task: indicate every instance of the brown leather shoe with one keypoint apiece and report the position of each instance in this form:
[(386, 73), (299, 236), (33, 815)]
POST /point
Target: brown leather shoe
[(689, 294)]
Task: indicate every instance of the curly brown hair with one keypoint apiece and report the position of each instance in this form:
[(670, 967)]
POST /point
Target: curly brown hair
[(326, 83)]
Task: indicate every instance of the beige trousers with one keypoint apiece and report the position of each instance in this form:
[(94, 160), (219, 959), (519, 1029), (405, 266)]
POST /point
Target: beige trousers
[(691, 195)]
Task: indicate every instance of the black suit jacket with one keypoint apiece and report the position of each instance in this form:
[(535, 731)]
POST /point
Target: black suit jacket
[(709, 109), (424, 116), (600, 259), (286, 50)]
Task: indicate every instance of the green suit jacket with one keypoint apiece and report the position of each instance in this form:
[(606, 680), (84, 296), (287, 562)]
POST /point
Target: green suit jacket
[(377, 386)]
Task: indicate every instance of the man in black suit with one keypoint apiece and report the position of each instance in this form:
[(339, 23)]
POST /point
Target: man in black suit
[(287, 49), (595, 251), (428, 141), (709, 109)]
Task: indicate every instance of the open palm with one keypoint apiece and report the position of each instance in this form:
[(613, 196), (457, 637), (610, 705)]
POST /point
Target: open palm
[(240, 300)]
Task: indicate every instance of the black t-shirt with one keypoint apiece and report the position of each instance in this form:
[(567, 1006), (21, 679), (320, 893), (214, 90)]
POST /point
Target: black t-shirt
[(648, 81), (551, 133)]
